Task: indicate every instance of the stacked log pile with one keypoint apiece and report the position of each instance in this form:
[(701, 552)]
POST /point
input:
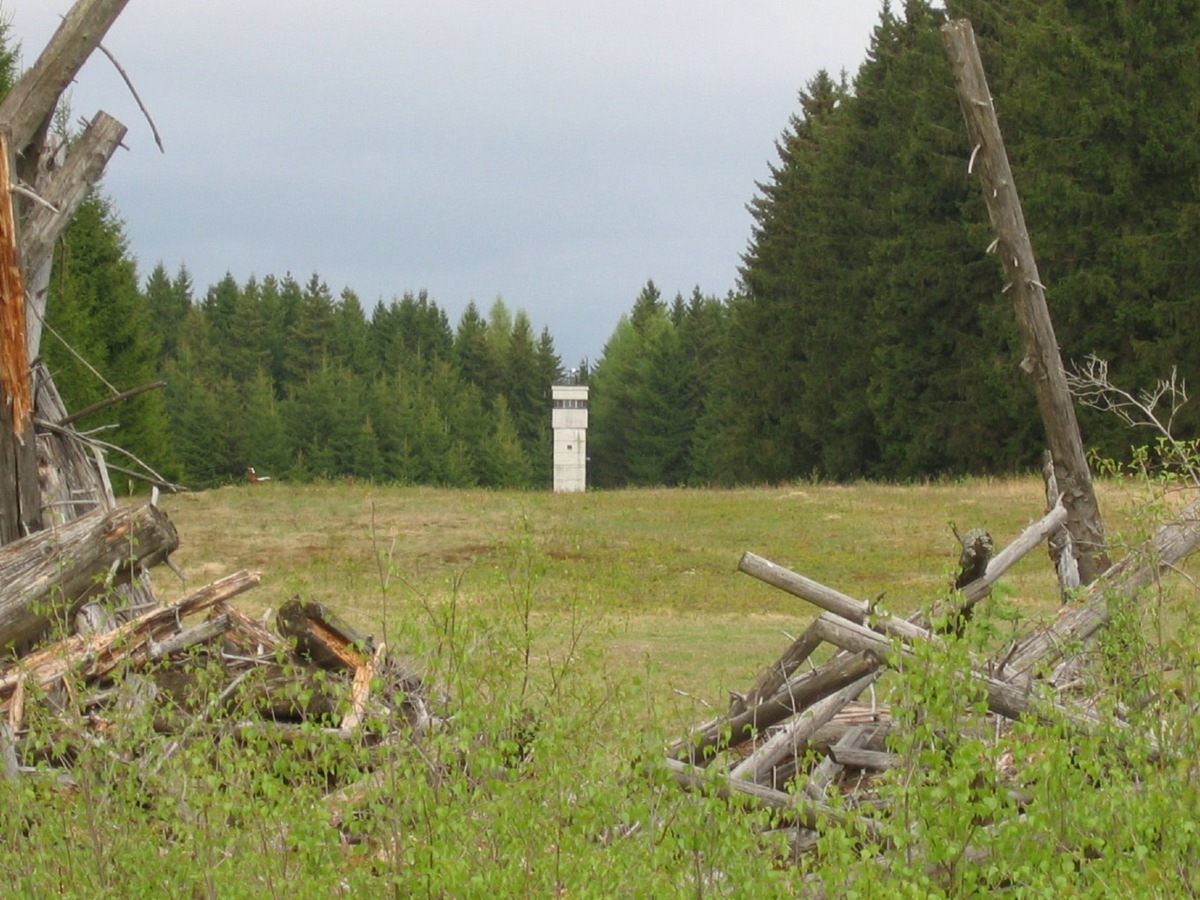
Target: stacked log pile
[(311, 670), (802, 730)]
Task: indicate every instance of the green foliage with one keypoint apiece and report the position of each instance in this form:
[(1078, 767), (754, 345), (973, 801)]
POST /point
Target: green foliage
[(302, 385), (1037, 808), (870, 337), (544, 780), (100, 339), (10, 52)]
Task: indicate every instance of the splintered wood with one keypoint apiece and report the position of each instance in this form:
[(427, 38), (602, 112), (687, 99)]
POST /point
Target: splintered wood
[(804, 730)]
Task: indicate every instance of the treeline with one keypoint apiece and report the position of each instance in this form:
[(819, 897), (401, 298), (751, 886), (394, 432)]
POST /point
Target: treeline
[(294, 381), (869, 336)]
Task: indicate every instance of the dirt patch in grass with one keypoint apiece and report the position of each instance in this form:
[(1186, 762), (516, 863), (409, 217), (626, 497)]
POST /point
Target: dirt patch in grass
[(464, 553)]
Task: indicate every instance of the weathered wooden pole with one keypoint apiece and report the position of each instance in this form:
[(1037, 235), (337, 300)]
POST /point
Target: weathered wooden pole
[(1042, 360)]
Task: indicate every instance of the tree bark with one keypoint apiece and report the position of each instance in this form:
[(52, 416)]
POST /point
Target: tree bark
[(47, 576), (1042, 361)]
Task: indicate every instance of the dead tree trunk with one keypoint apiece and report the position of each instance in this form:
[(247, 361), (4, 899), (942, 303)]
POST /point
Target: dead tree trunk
[(20, 502), (40, 189), (1042, 361), (28, 108), (48, 576), (63, 185)]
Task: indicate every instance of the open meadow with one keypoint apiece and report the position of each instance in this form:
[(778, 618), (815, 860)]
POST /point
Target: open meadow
[(569, 639), (647, 578)]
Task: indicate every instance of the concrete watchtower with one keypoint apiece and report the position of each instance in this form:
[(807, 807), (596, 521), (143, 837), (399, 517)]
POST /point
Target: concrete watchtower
[(570, 421)]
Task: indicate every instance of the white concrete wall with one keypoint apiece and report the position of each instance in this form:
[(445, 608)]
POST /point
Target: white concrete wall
[(570, 438)]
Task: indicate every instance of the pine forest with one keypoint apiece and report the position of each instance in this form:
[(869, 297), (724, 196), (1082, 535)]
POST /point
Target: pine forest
[(869, 336)]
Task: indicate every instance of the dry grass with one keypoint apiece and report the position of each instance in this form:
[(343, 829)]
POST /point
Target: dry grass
[(648, 576)]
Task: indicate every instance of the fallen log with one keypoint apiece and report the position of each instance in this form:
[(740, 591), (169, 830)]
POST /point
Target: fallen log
[(773, 678), (856, 737), (864, 613), (49, 575), (247, 640), (284, 693), (1009, 700), (865, 759), (137, 642), (806, 812), (330, 643), (791, 740)]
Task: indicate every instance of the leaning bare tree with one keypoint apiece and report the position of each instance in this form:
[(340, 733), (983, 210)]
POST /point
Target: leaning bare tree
[(1042, 360), (49, 474)]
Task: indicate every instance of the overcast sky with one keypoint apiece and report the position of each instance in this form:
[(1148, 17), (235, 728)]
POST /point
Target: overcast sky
[(556, 154)]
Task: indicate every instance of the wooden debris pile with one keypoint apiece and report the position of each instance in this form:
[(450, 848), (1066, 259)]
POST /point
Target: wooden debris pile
[(310, 669), (760, 747), (801, 731), (81, 630)]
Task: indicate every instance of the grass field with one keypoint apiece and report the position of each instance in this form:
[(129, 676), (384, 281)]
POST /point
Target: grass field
[(649, 575), (573, 636)]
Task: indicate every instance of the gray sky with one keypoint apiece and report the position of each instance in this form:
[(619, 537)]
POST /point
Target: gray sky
[(556, 154)]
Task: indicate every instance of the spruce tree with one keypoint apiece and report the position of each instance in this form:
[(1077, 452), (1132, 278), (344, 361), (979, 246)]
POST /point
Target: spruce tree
[(1106, 145), (310, 336), (761, 422), (525, 386), (351, 344), (474, 353), (942, 372), (611, 403), (168, 301)]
